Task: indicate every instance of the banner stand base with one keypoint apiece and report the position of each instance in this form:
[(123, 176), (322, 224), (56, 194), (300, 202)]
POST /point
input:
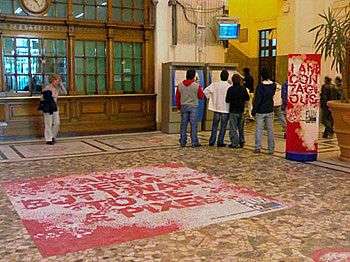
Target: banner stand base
[(301, 157)]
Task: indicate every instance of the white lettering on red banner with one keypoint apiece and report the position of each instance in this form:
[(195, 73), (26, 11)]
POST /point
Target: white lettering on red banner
[(71, 213)]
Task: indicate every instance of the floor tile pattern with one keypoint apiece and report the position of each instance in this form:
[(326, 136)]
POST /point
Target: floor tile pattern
[(318, 216)]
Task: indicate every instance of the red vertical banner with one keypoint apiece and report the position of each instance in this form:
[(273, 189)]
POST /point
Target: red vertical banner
[(303, 106)]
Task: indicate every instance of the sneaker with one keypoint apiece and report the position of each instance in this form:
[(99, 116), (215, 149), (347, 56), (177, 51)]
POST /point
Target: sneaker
[(196, 145), (53, 140), (257, 151), (211, 144), (221, 145), (183, 145), (241, 145), (232, 146), (49, 143)]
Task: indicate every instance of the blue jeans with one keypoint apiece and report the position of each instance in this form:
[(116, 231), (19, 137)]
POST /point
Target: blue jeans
[(281, 117), (188, 115), (263, 120), (221, 118), (237, 129)]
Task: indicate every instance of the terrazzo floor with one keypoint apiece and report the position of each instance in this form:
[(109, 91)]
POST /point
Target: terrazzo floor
[(315, 227)]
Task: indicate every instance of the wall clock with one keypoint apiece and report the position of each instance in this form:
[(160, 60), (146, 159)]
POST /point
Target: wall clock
[(35, 7)]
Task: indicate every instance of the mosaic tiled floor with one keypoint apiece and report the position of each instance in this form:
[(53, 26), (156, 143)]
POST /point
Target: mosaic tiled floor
[(314, 227), (73, 213)]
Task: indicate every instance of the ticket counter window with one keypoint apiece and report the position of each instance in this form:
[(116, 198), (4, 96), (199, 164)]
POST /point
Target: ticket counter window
[(90, 67), (128, 10), (58, 8), (28, 63), (128, 67)]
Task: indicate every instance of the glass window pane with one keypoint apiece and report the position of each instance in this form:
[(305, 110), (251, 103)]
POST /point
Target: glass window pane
[(101, 82), (79, 48), (35, 65), (118, 83), (138, 83), (9, 63), (137, 50), (127, 15), (22, 65), (36, 84), (91, 85), (118, 66), (90, 49), (11, 82), (61, 10), (90, 66), (262, 53), (117, 50), (101, 13), (61, 66), (274, 52), (138, 66), (127, 66), (127, 3), (101, 66), (35, 47), (18, 9), (127, 85), (90, 12), (127, 50), (22, 83), (117, 14), (138, 3), (101, 49), (61, 47), (22, 46), (116, 3), (9, 46), (79, 84), (6, 7), (274, 42), (49, 65), (78, 11), (138, 15), (79, 66), (49, 47)]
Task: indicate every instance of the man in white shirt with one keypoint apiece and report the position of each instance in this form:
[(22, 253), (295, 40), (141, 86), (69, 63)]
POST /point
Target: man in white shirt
[(216, 93)]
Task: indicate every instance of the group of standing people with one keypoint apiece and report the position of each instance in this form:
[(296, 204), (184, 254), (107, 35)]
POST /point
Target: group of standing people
[(228, 101)]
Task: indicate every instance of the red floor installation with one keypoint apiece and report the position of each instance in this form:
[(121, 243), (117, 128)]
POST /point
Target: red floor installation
[(76, 212)]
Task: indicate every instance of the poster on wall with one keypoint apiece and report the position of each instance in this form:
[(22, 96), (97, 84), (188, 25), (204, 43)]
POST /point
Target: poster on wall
[(180, 75), (303, 106)]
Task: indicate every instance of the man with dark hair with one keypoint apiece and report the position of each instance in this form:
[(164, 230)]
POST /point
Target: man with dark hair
[(237, 96), (216, 93), (248, 82), (263, 111), (188, 93), (328, 92)]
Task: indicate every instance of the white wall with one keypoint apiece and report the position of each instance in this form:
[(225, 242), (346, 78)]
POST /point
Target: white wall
[(206, 50), (306, 17)]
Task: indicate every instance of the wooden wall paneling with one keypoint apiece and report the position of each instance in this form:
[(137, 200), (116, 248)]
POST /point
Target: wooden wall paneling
[(90, 33), (148, 78), (3, 112), (128, 35)]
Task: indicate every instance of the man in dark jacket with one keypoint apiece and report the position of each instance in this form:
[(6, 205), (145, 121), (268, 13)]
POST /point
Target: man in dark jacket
[(237, 96), (328, 92), (263, 111), (248, 82)]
